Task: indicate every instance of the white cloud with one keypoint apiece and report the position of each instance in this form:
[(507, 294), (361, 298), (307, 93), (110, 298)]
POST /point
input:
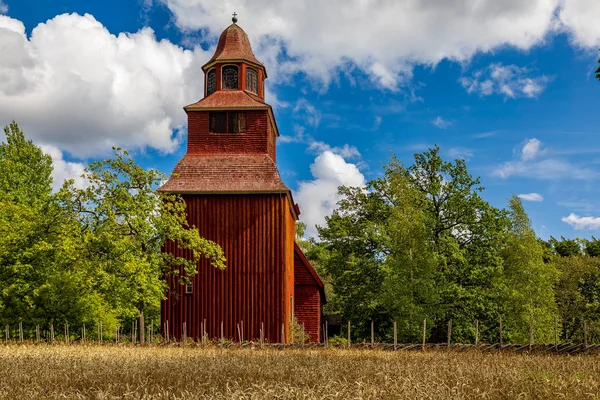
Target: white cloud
[(383, 39), (530, 149), (531, 197), (308, 112), (3, 7), (578, 222), (64, 170), (580, 18), (441, 123), (319, 197), (509, 81), (461, 153), (548, 169), (74, 85)]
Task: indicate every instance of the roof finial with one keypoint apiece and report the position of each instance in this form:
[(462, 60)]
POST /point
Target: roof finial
[(234, 19)]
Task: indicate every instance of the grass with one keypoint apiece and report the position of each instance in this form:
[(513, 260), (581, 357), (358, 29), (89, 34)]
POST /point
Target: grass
[(126, 372)]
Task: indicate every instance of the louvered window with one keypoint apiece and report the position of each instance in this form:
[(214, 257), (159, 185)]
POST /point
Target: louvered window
[(252, 80), (211, 82), (227, 122)]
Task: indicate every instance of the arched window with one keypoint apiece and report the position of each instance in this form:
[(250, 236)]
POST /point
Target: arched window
[(252, 80), (211, 82), (230, 77)]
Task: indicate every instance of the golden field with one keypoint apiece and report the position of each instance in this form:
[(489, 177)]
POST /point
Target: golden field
[(125, 372)]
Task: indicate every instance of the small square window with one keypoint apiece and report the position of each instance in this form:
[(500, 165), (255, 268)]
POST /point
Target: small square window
[(189, 288), (218, 122)]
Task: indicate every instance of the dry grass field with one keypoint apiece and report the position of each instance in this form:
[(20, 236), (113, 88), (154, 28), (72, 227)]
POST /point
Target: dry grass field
[(114, 372)]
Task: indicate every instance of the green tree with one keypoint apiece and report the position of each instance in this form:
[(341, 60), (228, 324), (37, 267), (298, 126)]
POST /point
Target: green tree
[(565, 247), (40, 277), (528, 280), (126, 224), (578, 297)]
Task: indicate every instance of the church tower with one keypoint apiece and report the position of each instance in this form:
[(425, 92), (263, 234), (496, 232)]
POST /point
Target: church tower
[(236, 198)]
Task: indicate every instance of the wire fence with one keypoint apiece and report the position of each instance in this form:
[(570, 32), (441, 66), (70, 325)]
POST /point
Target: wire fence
[(63, 334)]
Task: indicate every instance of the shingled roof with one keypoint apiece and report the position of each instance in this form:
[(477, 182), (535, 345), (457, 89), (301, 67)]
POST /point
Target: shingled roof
[(234, 99), (225, 174), (234, 45)]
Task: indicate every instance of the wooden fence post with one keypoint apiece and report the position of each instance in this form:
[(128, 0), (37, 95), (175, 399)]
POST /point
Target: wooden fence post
[(239, 333), (424, 334), (242, 331), (167, 328), (21, 331), (303, 334), (395, 336), (555, 332), (184, 334), (476, 332), (100, 332), (283, 333), (531, 333), (349, 338), (585, 334), (326, 333), (500, 331), (449, 333), (222, 336), (51, 333), (37, 333), (372, 334), (262, 334)]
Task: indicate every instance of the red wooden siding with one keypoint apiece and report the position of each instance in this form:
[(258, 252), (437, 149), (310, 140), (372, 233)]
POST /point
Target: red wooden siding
[(254, 232), (308, 288), (307, 308), (259, 138)]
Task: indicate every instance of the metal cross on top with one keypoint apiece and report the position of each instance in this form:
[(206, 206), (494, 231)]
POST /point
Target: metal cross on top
[(234, 19)]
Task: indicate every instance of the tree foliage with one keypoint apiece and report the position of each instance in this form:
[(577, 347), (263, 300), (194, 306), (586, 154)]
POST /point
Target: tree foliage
[(420, 243), (93, 254)]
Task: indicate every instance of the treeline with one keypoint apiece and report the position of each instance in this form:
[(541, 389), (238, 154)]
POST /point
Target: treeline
[(87, 255), (421, 243)]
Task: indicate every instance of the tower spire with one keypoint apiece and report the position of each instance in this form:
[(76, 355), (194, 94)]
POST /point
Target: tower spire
[(235, 18)]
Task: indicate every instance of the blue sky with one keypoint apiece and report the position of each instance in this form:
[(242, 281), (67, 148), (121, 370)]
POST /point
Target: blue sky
[(509, 87)]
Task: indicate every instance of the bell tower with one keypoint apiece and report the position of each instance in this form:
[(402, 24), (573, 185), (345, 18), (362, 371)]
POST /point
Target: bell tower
[(236, 198)]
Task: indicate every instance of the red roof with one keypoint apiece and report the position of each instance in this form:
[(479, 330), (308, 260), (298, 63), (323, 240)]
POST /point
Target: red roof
[(234, 99), (225, 173), (234, 45)]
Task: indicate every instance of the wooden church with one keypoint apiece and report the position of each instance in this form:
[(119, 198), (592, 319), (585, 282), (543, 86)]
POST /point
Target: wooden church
[(236, 198)]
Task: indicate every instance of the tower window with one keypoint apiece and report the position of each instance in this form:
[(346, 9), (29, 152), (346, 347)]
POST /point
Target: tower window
[(230, 77), (237, 122), (252, 80), (227, 122), (189, 288), (211, 82)]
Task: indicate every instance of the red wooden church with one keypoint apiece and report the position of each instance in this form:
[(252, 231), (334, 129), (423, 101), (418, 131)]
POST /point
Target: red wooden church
[(235, 197)]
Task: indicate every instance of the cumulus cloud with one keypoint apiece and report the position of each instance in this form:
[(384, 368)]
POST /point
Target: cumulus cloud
[(529, 166), (383, 39), (319, 197), (580, 19), (530, 149), (509, 81), (64, 170), (531, 197), (92, 90), (441, 123), (578, 222)]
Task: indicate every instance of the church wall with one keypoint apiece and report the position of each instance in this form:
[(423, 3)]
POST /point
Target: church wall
[(254, 231), (254, 141), (307, 308)]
